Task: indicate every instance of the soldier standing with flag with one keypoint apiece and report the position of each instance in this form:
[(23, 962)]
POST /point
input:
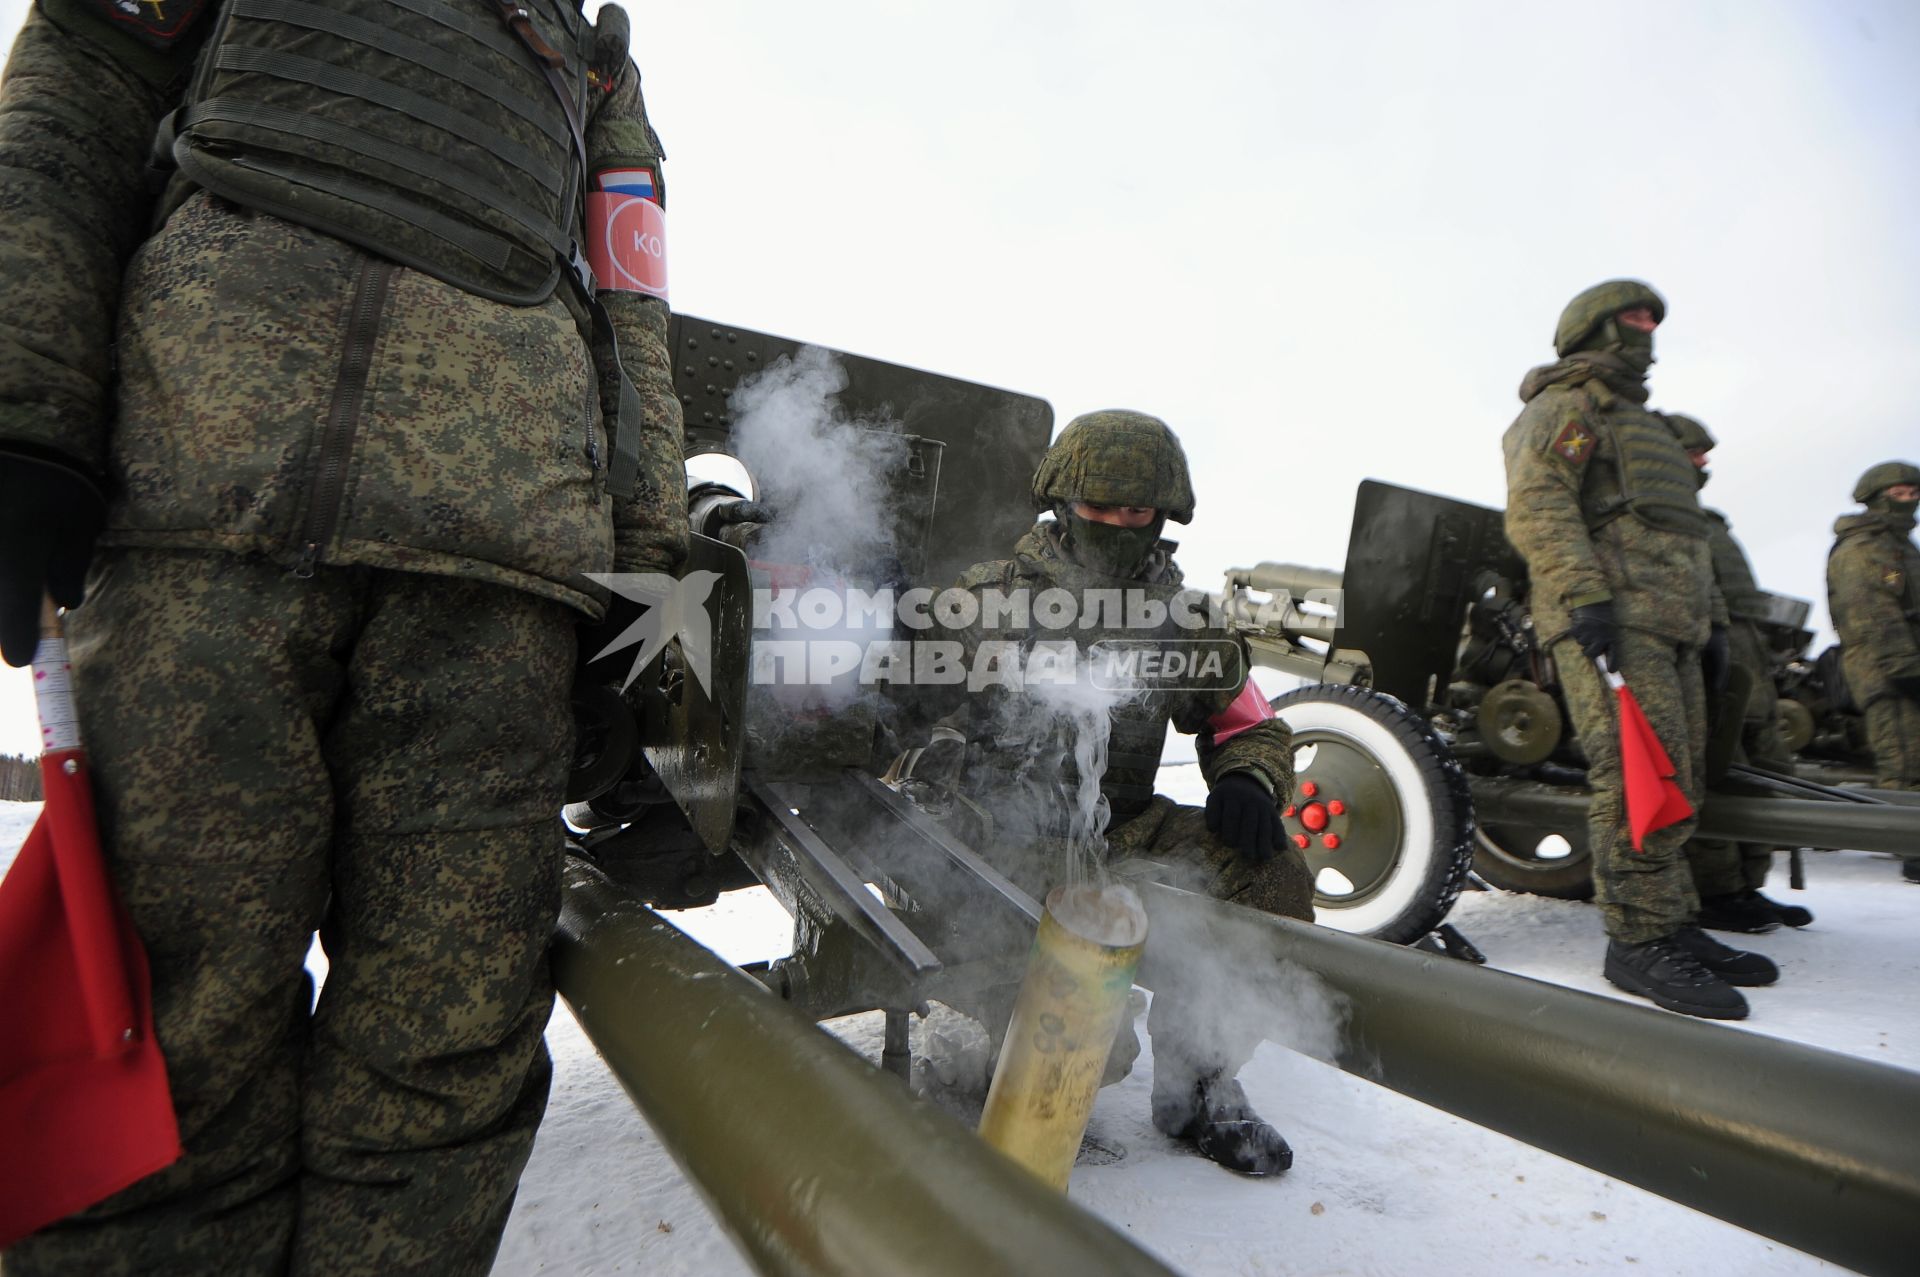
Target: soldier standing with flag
[(1603, 505), (343, 325)]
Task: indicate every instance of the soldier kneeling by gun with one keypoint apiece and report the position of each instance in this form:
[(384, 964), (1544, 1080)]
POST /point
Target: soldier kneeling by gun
[(1109, 484)]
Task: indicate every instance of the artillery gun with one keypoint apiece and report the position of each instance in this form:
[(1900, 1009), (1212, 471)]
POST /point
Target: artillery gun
[(695, 774), (1431, 612)]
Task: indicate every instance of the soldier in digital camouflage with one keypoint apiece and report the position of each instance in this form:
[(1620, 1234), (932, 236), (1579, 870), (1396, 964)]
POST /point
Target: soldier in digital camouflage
[(1728, 875), (1603, 505), (1873, 596), (1107, 487), (351, 419)]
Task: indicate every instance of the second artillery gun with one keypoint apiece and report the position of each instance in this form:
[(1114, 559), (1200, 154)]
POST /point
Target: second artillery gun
[(1430, 614)]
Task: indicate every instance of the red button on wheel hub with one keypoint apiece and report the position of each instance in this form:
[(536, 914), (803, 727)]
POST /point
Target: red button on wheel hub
[(1330, 842), (1302, 841), (1308, 788), (1314, 817)]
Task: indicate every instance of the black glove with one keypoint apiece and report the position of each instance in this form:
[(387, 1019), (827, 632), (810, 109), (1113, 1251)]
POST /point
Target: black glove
[(1594, 629), (740, 512), (49, 516), (1716, 665), (941, 759), (1245, 816)]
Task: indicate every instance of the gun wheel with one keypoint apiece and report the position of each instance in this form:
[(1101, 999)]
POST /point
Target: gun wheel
[(1380, 810), (1543, 862)]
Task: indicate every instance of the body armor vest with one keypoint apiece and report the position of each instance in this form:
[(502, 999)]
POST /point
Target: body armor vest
[(1734, 575), (1137, 735), (428, 131), (1651, 478), (1138, 725)]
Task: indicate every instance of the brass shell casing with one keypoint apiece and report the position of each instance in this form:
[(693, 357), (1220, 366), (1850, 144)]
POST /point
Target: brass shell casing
[(1068, 1011)]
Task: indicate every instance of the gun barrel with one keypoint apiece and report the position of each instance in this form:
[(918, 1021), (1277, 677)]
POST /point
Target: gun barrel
[(1295, 578)]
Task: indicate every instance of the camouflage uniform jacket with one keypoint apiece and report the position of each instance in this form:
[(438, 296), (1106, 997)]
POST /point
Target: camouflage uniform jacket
[(1873, 595), (1039, 563), (1564, 466), (205, 376)]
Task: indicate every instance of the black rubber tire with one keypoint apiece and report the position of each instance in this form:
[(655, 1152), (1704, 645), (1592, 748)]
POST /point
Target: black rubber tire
[(1379, 748), (606, 739), (1503, 855)]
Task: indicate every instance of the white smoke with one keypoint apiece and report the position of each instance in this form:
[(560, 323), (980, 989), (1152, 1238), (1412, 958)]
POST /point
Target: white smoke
[(825, 474)]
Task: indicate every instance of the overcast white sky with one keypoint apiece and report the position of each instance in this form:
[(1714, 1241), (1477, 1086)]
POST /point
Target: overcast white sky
[(1323, 241)]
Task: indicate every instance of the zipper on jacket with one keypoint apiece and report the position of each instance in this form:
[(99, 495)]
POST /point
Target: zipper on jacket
[(593, 452), (343, 414)]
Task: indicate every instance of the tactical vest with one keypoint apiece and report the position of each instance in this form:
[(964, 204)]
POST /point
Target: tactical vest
[(429, 131), (1733, 574), (1137, 735), (1137, 727), (1651, 478)]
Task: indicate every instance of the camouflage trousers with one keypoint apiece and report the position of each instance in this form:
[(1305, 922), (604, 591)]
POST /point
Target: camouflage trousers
[(376, 755), (1893, 734), (1193, 1034), (1720, 866), (1645, 894)]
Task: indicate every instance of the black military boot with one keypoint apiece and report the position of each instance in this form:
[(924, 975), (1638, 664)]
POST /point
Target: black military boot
[(1742, 911), (1667, 972), (1212, 1114), (1910, 870), (1792, 915), (1735, 966)]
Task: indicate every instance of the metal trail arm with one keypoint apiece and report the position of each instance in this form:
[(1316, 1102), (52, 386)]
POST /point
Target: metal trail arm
[(1809, 1147), (815, 1162), (1784, 822)]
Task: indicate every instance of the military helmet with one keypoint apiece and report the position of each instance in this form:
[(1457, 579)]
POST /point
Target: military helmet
[(1694, 437), (1585, 313), (1116, 457), (1883, 476)]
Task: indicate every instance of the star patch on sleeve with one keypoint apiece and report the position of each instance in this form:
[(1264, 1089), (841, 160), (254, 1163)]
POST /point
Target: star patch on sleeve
[(1574, 442)]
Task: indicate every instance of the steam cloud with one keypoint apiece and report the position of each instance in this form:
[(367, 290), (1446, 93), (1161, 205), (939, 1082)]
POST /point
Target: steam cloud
[(825, 473)]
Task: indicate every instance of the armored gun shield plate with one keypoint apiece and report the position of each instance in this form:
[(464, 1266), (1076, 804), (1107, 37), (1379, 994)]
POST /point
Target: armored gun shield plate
[(961, 498), (690, 694), (1410, 561)]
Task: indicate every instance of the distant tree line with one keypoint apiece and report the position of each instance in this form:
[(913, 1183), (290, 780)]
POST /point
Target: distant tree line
[(19, 779)]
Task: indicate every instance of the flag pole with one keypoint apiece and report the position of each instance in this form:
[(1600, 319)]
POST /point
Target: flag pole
[(68, 810)]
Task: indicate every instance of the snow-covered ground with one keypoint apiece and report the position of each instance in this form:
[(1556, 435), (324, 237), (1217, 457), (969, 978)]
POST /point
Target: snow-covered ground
[(1380, 1185)]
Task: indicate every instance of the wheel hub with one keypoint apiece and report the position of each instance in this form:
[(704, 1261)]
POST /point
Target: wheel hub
[(1345, 815)]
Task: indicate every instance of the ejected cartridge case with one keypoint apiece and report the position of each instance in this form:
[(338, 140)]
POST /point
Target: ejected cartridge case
[(1064, 1021)]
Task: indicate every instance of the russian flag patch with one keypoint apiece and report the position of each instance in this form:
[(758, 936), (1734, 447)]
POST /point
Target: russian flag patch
[(631, 182)]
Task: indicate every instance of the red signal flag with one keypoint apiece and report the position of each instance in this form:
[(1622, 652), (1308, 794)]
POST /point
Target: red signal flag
[(1654, 800), (85, 1109)]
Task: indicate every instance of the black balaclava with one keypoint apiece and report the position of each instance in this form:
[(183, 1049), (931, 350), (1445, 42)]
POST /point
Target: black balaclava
[(1105, 548)]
